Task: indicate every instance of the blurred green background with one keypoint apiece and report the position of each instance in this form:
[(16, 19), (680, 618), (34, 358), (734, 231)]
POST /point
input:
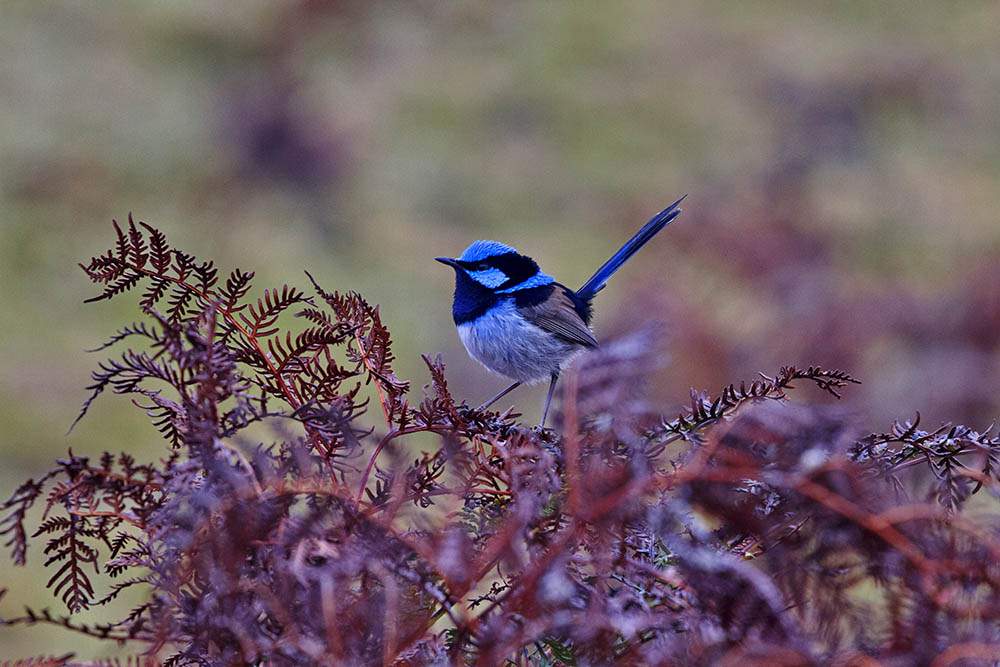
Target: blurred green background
[(841, 159)]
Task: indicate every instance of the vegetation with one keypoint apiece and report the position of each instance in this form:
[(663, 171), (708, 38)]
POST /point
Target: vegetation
[(310, 508)]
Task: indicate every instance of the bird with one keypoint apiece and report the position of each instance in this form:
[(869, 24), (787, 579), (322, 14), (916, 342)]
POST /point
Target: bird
[(520, 323)]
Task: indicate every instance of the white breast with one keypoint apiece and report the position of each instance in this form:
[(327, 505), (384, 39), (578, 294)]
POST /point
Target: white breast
[(507, 344)]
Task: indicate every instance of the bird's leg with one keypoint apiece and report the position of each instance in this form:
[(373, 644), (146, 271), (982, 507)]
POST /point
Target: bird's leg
[(548, 399), (499, 396)]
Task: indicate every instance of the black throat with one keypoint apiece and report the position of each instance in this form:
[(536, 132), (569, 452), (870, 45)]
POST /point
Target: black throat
[(472, 300)]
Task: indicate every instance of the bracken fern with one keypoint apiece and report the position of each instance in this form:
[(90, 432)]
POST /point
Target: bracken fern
[(746, 528)]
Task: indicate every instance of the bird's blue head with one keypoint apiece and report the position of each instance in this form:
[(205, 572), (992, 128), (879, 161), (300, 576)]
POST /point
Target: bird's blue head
[(488, 271)]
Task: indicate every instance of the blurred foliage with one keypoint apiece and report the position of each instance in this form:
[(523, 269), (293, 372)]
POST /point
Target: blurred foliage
[(841, 161), (745, 529)]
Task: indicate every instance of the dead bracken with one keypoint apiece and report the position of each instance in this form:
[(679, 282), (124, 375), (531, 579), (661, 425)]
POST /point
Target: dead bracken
[(747, 528)]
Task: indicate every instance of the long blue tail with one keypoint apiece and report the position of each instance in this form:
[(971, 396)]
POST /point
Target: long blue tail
[(648, 231)]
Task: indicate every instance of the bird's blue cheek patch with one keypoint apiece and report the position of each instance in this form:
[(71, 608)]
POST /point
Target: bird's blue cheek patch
[(538, 280), (491, 278)]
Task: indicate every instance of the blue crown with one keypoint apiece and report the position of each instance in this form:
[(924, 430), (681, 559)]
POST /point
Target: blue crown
[(480, 250)]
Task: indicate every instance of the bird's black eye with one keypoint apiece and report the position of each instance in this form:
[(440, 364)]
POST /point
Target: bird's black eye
[(481, 266)]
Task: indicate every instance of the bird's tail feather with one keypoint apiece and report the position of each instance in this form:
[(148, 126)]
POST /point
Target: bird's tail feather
[(648, 231)]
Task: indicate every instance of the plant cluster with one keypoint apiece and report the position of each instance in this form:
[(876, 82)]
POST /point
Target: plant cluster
[(747, 528)]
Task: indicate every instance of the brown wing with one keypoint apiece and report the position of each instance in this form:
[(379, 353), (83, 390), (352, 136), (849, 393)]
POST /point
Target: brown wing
[(557, 314)]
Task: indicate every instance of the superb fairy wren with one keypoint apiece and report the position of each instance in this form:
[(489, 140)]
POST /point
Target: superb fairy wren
[(518, 321)]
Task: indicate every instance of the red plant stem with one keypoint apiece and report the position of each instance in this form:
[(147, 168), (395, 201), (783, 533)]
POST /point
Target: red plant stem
[(873, 522), (378, 385), (122, 478), (386, 439), (914, 511), (115, 515)]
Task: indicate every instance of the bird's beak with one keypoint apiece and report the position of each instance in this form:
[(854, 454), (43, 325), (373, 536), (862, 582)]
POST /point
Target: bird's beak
[(447, 260)]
